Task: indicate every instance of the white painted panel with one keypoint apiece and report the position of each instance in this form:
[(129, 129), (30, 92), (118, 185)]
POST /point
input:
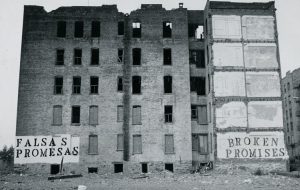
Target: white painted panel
[(261, 55), (258, 27), (226, 54), (226, 26), (264, 114), (46, 149), (232, 114), (263, 84), (229, 84), (253, 145)]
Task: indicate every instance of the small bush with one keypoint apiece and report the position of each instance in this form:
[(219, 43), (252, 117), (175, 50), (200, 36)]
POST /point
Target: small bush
[(7, 154), (258, 172)]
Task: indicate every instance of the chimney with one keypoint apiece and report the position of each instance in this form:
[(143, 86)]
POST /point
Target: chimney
[(180, 5)]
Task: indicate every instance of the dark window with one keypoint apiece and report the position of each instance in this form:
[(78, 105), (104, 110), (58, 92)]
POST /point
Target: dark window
[(167, 57), (169, 167), (292, 126), (120, 28), (144, 168), (167, 84), (95, 29), (95, 57), (197, 57), (136, 85), (136, 56), (136, 30), (75, 114), (120, 114), (120, 142), (194, 112), (77, 56), (120, 55), (76, 85), (200, 143), (93, 144), (60, 56), (58, 85), (169, 144), (195, 31), (198, 85), (61, 29), (93, 115), (78, 33), (167, 29), (137, 144), (54, 169), (120, 84), (192, 29), (94, 85), (136, 115), (57, 115), (93, 170), (118, 168), (168, 114)]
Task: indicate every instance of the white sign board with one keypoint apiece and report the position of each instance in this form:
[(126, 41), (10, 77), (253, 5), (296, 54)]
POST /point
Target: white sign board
[(253, 145), (46, 149)]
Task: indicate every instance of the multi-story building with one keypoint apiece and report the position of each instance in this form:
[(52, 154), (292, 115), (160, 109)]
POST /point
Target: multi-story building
[(151, 90), (291, 95)]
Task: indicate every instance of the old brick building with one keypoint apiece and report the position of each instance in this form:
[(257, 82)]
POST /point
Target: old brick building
[(154, 89)]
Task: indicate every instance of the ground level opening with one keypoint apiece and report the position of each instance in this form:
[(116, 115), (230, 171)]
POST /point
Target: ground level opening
[(54, 169), (93, 170), (144, 168), (118, 168), (169, 167)]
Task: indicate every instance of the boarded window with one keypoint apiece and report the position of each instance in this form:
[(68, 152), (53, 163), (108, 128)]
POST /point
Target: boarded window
[(136, 30), (93, 115), (137, 144), (120, 142), (197, 57), (78, 33), (167, 56), (60, 56), (61, 29), (194, 112), (211, 143), (75, 114), (136, 85), (167, 84), (136, 56), (94, 85), (136, 115), (57, 115), (77, 56), (168, 114), (202, 114), (120, 113), (120, 55), (167, 29), (58, 85), (120, 28), (198, 85), (195, 142), (95, 56), (200, 143), (169, 144), (95, 29), (93, 144), (76, 85), (120, 84)]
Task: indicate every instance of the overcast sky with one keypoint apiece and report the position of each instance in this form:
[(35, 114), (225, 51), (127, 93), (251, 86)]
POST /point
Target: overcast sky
[(11, 18)]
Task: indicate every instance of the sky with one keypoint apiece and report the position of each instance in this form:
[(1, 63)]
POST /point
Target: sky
[(11, 18)]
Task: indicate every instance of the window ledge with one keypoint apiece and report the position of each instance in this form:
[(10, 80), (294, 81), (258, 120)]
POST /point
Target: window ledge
[(94, 93), (93, 154), (94, 65), (168, 93), (169, 123), (76, 93), (169, 153), (75, 124), (119, 150), (58, 94), (136, 123)]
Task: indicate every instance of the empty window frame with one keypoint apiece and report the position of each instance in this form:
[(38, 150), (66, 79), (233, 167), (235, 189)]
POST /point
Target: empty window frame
[(120, 142), (93, 144), (136, 84), (75, 119), (57, 115), (169, 144), (120, 84), (120, 28), (120, 55), (61, 29), (94, 56), (167, 56), (144, 167), (167, 84), (93, 115), (76, 85), (194, 112), (167, 29), (197, 84), (120, 113), (136, 30), (136, 115), (200, 143), (60, 57), (78, 33), (58, 85), (77, 56), (195, 31), (168, 114), (137, 144), (197, 57), (95, 29), (202, 114), (94, 85), (136, 56)]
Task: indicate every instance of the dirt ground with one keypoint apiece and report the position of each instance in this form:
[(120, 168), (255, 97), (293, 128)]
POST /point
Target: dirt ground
[(165, 180)]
